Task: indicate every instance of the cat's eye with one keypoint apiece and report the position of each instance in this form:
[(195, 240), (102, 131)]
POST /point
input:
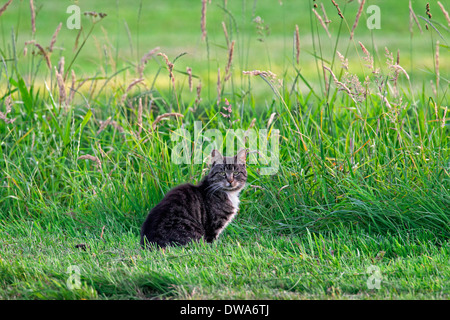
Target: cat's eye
[(223, 174), (236, 173)]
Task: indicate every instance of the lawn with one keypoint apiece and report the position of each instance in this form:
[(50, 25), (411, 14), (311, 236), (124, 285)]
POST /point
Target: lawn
[(356, 130)]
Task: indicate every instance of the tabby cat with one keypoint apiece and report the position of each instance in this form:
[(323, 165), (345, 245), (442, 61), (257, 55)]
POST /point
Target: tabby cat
[(192, 212)]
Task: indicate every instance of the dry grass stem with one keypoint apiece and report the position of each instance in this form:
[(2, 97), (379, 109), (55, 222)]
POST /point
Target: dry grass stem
[(327, 82), (265, 74), (358, 15), (81, 83), (436, 111), (199, 90), (383, 97), (131, 85), (271, 118), (104, 124), (72, 88), (252, 124), (433, 88), (338, 83), (163, 116), (443, 118), (399, 68), (219, 86), (325, 18), (437, 66), (139, 118), (97, 161)]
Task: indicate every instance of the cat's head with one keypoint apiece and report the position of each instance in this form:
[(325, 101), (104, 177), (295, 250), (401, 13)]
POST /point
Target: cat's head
[(228, 173)]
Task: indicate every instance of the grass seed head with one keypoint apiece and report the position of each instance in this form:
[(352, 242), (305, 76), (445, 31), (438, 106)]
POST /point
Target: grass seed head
[(199, 90), (44, 54), (5, 6), (55, 35), (358, 15), (61, 87), (139, 118), (344, 61), (163, 116), (203, 20), (219, 86), (189, 72), (322, 23), (338, 9), (225, 32), (144, 60), (297, 45), (230, 59), (427, 10), (444, 12), (412, 16), (33, 17)]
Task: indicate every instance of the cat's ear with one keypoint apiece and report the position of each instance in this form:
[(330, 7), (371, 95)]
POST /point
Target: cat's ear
[(215, 158), (241, 156)]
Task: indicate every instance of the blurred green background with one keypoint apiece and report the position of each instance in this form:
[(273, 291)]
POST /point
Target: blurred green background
[(134, 27)]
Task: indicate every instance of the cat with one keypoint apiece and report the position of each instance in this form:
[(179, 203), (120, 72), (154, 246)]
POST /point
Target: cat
[(193, 212)]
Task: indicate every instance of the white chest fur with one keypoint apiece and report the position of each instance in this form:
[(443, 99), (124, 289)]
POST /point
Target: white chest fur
[(233, 196)]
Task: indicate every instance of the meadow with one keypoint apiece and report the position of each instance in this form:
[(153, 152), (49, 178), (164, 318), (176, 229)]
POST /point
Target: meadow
[(359, 207)]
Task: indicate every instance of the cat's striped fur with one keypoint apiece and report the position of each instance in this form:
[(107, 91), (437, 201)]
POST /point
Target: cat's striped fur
[(192, 212)]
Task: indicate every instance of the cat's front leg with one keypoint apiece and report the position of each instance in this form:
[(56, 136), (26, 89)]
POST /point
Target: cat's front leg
[(210, 238)]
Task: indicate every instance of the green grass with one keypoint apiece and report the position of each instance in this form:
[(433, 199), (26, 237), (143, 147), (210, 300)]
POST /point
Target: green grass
[(363, 180), (248, 267)]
